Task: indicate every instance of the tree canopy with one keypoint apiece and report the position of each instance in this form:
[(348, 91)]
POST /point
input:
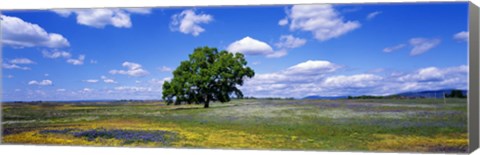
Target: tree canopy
[(208, 75)]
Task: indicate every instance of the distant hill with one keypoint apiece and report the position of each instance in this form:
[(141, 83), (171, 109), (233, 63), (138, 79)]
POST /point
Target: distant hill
[(419, 94), (430, 93), (314, 97)]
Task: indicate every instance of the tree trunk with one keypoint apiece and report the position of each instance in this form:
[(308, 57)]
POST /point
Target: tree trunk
[(206, 105)]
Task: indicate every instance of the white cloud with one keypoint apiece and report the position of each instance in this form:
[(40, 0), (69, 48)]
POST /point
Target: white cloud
[(93, 61), (372, 15), (312, 67), (353, 81), (86, 90), (429, 74), (133, 69), (394, 48), (78, 61), (166, 69), (41, 83), (422, 45), (159, 81), (61, 90), (133, 89), (322, 20), (14, 66), (91, 80), (63, 54), (431, 78), (304, 71), (56, 54), (19, 33), (461, 36), (107, 80), (188, 22), (99, 18), (294, 81), (22, 61), (323, 78), (250, 46), (277, 54), (289, 41), (283, 22), (139, 10)]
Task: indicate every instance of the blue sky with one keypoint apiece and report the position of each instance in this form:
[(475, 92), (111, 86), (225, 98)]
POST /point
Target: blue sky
[(326, 50)]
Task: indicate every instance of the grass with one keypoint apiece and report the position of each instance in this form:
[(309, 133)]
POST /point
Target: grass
[(409, 125)]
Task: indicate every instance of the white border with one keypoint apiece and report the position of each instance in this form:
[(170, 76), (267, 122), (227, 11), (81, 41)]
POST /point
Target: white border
[(74, 150), (50, 4)]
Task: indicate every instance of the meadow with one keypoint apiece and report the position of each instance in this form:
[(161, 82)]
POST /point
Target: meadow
[(401, 125)]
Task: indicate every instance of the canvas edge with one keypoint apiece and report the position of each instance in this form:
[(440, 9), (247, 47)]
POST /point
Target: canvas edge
[(474, 72)]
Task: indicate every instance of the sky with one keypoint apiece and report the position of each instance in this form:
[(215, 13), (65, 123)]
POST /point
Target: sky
[(295, 50)]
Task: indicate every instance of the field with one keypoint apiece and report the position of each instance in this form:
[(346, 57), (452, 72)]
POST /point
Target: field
[(408, 125)]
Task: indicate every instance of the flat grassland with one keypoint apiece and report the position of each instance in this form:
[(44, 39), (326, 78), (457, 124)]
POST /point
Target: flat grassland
[(406, 125)]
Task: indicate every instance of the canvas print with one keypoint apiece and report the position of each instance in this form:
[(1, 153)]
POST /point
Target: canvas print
[(322, 77)]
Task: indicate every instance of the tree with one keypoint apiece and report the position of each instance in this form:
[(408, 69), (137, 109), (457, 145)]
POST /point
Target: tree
[(206, 77), (456, 94)]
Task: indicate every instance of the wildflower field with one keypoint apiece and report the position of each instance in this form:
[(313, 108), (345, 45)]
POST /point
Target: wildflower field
[(408, 125)]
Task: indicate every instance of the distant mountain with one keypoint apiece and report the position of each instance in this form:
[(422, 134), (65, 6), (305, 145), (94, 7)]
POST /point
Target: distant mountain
[(430, 93), (315, 97), (419, 94)]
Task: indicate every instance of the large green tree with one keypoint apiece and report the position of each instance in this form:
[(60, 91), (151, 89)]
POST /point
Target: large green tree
[(208, 76)]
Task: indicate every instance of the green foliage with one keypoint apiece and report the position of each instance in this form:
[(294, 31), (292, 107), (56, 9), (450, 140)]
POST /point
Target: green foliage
[(208, 75), (456, 94)]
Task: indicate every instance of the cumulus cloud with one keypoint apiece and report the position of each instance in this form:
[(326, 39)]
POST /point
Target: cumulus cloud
[(22, 61), (99, 18), (277, 54), (159, 82), (41, 83), (283, 22), (91, 80), (86, 90), (65, 55), (422, 45), (289, 41), (56, 54), (393, 48), (312, 67), (139, 10), (353, 81), (133, 89), (250, 46), (323, 21), (188, 22), (31, 35), (133, 69), (107, 80), (14, 66), (372, 15), (78, 61), (165, 69), (461, 36), (324, 78)]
